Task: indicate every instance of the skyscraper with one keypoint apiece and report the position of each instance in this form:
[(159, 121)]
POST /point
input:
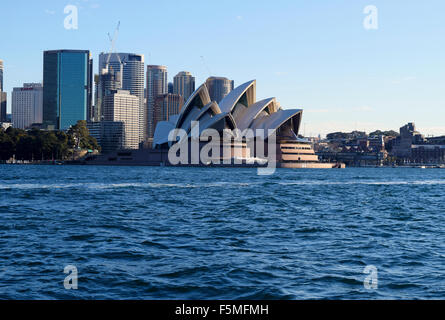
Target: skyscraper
[(121, 106), (132, 74), (27, 105), (157, 84), (184, 84), (1, 75), (108, 80), (167, 105), (67, 88), (3, 98), (219, 88)]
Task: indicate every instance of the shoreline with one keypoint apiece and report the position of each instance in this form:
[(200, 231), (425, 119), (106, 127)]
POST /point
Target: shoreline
[(84, 163)]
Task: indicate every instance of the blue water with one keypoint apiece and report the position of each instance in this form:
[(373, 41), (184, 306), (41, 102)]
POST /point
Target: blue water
[(182, 233)]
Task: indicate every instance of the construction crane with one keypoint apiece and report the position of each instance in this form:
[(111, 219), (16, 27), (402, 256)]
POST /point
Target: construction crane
[(206, 66), (113, 44)]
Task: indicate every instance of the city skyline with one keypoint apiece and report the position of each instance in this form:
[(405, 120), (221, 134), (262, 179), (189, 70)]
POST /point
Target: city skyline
[(321, 59)]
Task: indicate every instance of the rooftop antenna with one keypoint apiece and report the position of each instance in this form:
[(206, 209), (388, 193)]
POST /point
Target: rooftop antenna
[(113, 44), (206, 66)]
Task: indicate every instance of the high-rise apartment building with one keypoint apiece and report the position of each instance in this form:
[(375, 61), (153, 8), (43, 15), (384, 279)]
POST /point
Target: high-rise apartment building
[(131, 67), (167, 105), (27, 105), (67, 88), (219, 88), (157, 84), (184, 84), (122, 106)]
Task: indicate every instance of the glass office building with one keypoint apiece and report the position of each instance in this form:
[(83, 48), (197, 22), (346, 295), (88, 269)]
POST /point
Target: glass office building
[(67, 88)]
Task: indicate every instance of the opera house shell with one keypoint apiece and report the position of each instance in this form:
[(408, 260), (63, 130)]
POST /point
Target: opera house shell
[(240, 110)]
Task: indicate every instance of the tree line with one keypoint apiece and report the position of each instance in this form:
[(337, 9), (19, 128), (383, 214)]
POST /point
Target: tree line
[(360, 134), (39, 145)]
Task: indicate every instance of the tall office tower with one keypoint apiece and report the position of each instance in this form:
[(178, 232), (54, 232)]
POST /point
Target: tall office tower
[(122, 106), (131, 67), (1, 75), (171, 87), (3, 98), (184, 84), (67, 88), (219, 88), (157, 85), (27, 105), (96, 115), (167, 105)]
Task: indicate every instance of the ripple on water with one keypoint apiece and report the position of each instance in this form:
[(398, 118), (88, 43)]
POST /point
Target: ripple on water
[(175, 233)]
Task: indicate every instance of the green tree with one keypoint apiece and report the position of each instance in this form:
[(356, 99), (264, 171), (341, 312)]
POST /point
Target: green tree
[(80, 137), (44, 145), (390, 133), (25, 148), (15, 135), (6, 146), (61, 147)]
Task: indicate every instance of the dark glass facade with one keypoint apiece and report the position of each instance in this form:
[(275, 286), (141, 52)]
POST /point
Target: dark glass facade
[(67, 88), (3, 98)]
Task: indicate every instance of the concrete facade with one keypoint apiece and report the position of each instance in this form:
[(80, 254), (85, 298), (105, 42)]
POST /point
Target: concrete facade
[(184, 84), (157, 84), (166, 106), (121, 106), (219, 88), (27, 105)]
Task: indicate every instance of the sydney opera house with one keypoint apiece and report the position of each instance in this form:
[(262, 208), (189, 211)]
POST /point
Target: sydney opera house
[(239, 112)]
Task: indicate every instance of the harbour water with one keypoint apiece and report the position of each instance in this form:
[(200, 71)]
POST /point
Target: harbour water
[(202, 233)]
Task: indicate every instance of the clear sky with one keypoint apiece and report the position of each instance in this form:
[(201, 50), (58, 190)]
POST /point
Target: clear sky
[(315, 55)]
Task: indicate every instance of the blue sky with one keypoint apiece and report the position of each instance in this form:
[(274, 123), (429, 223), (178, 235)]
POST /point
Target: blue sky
[(314, 55)]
